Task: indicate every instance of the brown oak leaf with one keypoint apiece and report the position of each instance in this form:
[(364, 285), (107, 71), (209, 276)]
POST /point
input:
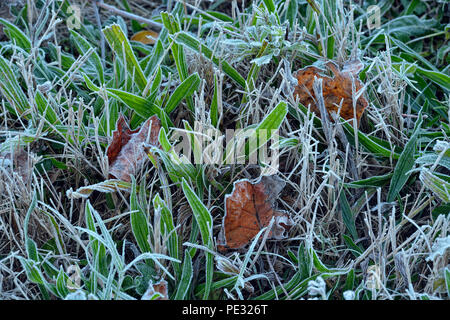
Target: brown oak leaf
[(126, 152), (249, 208), (335, 89)]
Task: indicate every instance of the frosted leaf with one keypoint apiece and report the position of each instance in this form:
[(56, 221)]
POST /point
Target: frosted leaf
[(349, 295), (439, 247)]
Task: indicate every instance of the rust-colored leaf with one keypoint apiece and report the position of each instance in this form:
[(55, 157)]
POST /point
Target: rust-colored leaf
[(249, 208), (159, 287), (126, 153), (145, 36), (335, 90)]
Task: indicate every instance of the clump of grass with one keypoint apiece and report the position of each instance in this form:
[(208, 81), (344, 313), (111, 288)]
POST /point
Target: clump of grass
[(370, 203)]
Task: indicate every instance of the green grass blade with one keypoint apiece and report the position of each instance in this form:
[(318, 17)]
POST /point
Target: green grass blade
[(138, 220), (10, 88), (440, 187), (183, 91), (447, 280), (121, 46), (204, 221), (347, 215), (186, 278), (214, 108), (404, 165), (16, 35), (201, 214), (168, 230), (83, 46)]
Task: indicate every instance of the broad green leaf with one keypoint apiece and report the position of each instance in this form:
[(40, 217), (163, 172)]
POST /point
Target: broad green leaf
[(31, 247), (270, 5), (437, 77), (121, 46), (439, 186), (184, 90), (142, 106), (10, 88), (16, 35), (155, 59), (372, 144), (45, 109)]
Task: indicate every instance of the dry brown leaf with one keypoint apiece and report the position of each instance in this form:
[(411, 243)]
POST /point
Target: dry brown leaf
[(249, 208), (335, 90), (145, 37), (126, 153)]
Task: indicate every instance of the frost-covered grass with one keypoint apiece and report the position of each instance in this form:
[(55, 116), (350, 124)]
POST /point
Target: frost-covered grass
[(370, 203)]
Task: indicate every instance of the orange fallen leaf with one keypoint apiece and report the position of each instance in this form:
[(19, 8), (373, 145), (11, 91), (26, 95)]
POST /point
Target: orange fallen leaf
[(159, 288), (145, 37), (126, 152), (335, 90), (249, 208)]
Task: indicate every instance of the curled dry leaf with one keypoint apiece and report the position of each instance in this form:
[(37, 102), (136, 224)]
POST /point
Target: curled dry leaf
[(157, 291), (126, 153), (145, 36), (249, 208), (335, 90), (107, 186)]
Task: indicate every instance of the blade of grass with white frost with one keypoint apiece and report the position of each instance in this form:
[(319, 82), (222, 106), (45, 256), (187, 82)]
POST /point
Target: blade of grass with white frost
[(11, 89), (104, 236), (138, 220), (186, 278), (347, 215), (204, 221), (142, 106), (269, 126), (214, 108), (83, 46), (183, 91), (439, 186), (405, 163), (169, 232), (16, 35), (173, 26), (121, 46)]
